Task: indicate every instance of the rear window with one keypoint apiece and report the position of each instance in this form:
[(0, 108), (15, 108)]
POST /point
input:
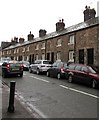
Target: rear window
[(15, 65), (47, 62)]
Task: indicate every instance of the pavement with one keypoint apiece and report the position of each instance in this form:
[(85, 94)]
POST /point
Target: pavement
[(21, 111)]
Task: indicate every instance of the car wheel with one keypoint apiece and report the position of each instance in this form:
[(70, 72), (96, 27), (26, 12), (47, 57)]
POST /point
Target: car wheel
[(48, 74), (94, 83), (70, 79), (38, 72), (58, 76), (21, 75), (30, 71), (4, 75)]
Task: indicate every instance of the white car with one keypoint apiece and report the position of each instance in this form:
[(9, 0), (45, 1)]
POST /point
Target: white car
[(40, 66)]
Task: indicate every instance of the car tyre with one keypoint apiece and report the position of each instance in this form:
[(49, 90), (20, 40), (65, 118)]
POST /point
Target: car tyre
[(30, 71), (38, 72), (4, 75), (48, 74), (70, 79), (21, 75), (58, 76), (94, 83)]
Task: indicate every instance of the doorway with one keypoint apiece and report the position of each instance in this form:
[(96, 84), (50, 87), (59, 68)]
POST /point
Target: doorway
[(81, 56), (90, 56)]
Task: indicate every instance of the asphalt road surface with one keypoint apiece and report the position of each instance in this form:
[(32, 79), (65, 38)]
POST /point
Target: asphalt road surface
[(53, 98)]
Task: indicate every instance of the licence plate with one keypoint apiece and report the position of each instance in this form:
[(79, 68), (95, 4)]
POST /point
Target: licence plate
[(15, 68)]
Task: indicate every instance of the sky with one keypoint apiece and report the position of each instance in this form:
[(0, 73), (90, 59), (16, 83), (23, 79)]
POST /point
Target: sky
[(19, 17)]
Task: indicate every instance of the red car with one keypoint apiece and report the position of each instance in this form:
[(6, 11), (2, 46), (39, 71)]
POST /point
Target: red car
[(84, 74)]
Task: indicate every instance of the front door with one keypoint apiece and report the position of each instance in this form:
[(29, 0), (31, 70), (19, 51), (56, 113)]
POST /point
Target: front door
[(90, 56), (81, 56)]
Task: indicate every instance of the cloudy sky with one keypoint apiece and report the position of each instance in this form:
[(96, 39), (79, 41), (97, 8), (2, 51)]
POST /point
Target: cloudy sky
[(19, 17)]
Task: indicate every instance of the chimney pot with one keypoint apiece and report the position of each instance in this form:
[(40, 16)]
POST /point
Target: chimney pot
[(42, 33)]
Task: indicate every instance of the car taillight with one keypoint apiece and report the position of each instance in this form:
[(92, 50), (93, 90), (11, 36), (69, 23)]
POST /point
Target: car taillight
[(21, 65), (43, 66), (62, 68), (8, 66)]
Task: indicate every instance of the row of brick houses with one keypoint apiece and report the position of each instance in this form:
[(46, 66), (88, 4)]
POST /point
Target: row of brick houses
[(79, 43)]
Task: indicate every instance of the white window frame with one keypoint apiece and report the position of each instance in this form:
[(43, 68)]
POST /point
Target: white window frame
[(7, 52), (71, 39), (71, 55), (37, 47), (17, 50), (23, 49), (58, 56), (43, 46), (37, 56), (59, 42), (43, 56), (28, 48)]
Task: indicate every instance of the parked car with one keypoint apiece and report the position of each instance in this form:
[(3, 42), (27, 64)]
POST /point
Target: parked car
[(11, 68), (84, 74), (5, 59), (57, 70), (26, 65), (40, 66)]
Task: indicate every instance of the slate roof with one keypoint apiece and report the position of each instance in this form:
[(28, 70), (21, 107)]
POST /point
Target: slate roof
[(77, 27)]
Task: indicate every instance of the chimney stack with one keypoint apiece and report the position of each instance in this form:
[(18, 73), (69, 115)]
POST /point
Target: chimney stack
[(42, 33), (30, 36), (21, 40), (60, 25), (89, 13)]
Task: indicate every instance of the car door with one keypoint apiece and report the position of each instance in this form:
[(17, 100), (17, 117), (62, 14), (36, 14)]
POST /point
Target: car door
[(85, 74), (77, 73), (53, 70)]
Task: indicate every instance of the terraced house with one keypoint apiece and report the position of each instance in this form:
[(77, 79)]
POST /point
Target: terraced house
[(79, 43)]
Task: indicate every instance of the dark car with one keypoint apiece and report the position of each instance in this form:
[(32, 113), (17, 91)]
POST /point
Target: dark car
[(57, 70), (84, 74), (26, 65), (11, 68)]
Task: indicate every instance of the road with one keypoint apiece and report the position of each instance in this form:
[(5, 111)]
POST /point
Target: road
[(53, 98)]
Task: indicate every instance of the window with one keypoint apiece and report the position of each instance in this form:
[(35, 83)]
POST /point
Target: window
[(10, 52), (71, 67), (71, 55), (15, 51), (43, 46), (43, 56), (59, 42), (28, 48), (58, 56), (37, 47), (84, 69), (27, 58), (78, 68), (7, 52), (23, 58), (23, 50), (71, 39), (36, 56)]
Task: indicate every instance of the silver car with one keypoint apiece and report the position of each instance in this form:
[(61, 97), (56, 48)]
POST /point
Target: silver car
[(40, 66)]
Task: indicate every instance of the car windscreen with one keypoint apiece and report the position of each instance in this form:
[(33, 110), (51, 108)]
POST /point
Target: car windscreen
[(94, 69), (26, 63), (47, 62), (14, 64)]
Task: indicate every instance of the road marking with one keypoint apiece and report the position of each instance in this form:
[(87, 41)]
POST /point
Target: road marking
[(40, 79), (85, 93)]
